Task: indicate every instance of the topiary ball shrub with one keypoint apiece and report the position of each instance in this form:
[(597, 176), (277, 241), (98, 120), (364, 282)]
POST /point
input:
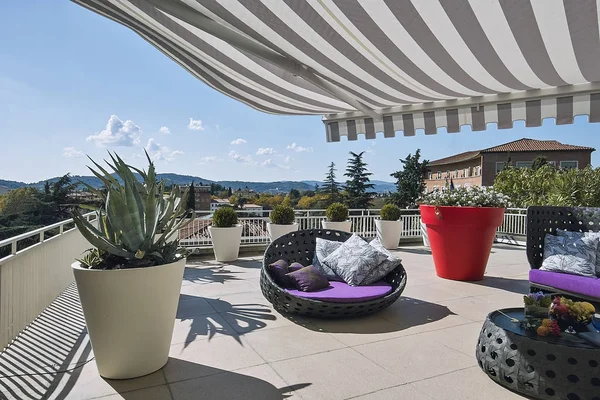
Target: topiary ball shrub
[(337, 212), (390, 212), (225, 217), (282, 215)]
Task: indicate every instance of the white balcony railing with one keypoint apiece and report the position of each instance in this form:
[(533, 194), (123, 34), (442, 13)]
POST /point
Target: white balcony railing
[(36, 270), (37, 267), (195, 235)]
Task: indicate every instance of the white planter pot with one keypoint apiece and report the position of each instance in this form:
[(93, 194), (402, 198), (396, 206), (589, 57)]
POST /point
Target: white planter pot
[(424, 233), (226, 242), (345, 226), (389, 233), (130, 314), (277, 231)]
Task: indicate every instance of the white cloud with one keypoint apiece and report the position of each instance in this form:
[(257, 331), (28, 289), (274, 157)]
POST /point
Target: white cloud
[(299, 149), (238, 141), (71, 152), (217, 127), (209, 159), (234, 155), (272, 164), (287, 159), (265, 150), (164, 130), (196, 124), (158, 152), (117, 133)]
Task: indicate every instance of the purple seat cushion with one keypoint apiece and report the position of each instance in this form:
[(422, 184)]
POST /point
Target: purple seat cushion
[(585, 285), (341, 292)]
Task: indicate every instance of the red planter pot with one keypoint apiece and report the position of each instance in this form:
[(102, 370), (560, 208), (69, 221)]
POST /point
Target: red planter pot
[(461, 239)]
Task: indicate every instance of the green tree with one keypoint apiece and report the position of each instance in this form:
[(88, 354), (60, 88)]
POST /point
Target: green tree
[(330, 187), (539, 162), (191, 199), (358, 188), (229, 192), (410, 181)]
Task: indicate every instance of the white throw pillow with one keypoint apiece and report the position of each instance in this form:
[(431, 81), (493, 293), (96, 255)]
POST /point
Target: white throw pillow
[(572, 235), (354, 260), (386, 266), (570, 255), (323, 248)]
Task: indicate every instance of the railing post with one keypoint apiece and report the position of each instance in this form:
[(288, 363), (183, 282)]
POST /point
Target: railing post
[(13, 248)]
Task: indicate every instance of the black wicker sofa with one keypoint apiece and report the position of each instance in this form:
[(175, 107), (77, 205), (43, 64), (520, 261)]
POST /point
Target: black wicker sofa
[(299, 247), (542, 220)]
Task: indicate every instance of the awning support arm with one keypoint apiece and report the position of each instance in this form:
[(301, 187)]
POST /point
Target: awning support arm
[(200, 21)]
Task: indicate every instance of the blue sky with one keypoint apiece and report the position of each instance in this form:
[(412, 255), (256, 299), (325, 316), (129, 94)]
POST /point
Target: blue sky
[(62, 79)]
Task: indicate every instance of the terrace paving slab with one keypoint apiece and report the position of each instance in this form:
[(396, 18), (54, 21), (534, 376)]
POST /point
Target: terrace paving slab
[(229, 342)]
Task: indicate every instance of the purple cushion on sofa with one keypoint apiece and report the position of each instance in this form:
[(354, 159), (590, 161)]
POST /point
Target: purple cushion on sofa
[(307, 279), (278, 269), (586, 285), (341, 292)]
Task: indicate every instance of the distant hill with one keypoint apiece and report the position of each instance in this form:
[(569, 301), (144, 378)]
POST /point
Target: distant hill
[(176, 179), (380, 186)]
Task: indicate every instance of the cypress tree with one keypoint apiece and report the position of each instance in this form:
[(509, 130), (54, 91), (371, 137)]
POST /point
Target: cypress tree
[(359, 192)]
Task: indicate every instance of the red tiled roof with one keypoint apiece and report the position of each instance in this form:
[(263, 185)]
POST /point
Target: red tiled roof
[(534, 145), (513, 147), (466, 156)]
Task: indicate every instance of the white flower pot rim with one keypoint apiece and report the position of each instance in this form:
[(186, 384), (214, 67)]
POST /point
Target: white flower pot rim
[(78, 265), (226, 227), (293, 223)]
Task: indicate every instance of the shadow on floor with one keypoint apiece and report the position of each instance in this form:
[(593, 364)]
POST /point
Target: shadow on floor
[(416, 250), (240, 319), (217, 384), (215, 274), (405, 313), (520, 286), (253, 264), (55, 341)]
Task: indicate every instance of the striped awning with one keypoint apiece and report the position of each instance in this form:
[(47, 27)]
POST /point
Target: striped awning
[(385, 66)]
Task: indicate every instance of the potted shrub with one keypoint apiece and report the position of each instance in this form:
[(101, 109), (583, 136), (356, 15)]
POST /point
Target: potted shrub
[(282, 221), (461, 227), (129, 281), (337, 218), (226, 234), (389, 226)]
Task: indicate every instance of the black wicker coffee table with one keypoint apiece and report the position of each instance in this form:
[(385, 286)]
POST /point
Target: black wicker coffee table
[(539, 367)]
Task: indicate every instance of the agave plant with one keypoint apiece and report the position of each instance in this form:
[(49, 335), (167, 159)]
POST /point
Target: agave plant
[(135, 220)]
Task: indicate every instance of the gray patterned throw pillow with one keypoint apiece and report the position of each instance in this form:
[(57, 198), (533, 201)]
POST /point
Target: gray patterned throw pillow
[(324, 248), (574, 235), (386, 266), (575, 256), (354, 260)]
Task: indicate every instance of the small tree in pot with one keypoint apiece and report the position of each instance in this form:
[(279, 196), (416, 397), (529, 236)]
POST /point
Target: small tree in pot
[(130, 270), (226, 234), (461, 226), (337, 218), (389, 226), (282, 221)]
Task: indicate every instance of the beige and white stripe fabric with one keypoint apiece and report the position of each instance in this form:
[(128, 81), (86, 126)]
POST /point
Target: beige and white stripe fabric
[(380, 67)]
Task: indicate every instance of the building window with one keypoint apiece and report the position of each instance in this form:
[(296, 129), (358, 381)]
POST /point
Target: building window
[(456, 173), (439, 175), (429, 175), (524, 164), (553, 163), (569, 164), (500, 166)]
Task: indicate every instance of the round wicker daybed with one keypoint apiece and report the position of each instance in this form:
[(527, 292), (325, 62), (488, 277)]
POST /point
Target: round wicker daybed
[(299, 247)]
